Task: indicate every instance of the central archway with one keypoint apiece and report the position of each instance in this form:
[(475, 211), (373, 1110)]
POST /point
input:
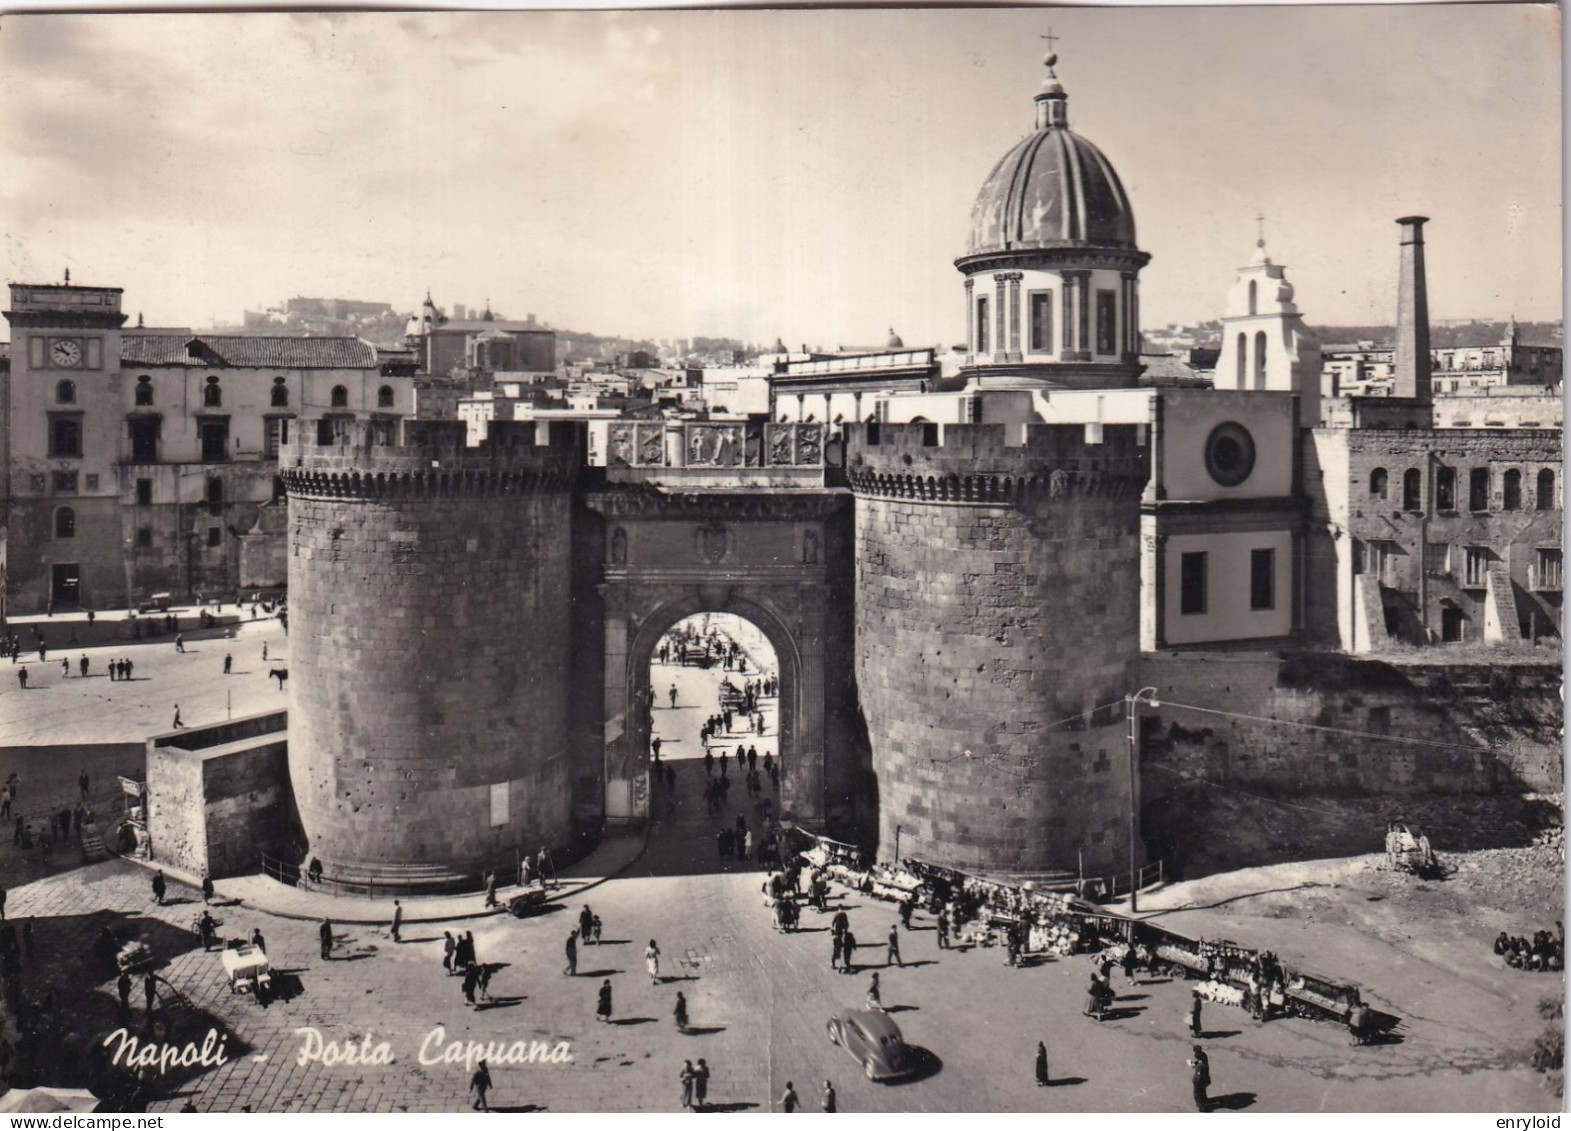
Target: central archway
[(627, 770)]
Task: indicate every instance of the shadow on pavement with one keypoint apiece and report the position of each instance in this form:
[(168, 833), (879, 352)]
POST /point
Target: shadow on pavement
[(1064, 1081), (1233, 1101)]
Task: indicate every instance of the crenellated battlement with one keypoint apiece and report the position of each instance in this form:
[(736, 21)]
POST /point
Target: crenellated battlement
[(433, 461), (974, 463)]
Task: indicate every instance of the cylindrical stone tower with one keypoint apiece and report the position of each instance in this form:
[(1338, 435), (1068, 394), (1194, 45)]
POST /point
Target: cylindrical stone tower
[(429, 648), (997, 603)]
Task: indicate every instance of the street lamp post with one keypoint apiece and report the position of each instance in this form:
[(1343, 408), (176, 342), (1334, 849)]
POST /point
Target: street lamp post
[(1148, 695)]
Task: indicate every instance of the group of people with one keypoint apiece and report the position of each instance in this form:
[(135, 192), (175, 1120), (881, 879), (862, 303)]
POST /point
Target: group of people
[(1545, 951)]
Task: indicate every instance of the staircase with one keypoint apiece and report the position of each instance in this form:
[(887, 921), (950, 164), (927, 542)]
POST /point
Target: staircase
[(93, 847), (1500, 618)]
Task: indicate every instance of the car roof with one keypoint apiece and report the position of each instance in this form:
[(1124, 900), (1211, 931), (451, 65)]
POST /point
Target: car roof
[(875, 1024)]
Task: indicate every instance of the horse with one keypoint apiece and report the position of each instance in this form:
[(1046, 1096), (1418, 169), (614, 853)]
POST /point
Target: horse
[(280, 674)]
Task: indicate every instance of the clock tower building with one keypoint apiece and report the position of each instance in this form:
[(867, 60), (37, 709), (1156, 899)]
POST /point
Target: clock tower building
[(59, 453)]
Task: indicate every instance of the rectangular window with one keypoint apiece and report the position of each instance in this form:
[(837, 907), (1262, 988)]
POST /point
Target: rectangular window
[(1381, 561), (65, 482), (215, 496), (144, 492), (1041, 321), (92, 482), (1106, 322), (1475, 566), (277, 435), (981, 325), (215, 441), (1192, 584), (1478, 489), (65, 436), (1445, 489), (144, 536), (215, 535), (1546, 575), (144, 439), (1262, 579)]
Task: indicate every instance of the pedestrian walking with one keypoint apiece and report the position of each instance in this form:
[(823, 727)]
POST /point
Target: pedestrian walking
[(837, 951), (1200, 1078), (1129, 964), (471, 980), (177, 724), (83, 666), (480, 1084), (680, 1012), (1194, 1015), (788, 1100), (875, 997), (160, 886), (571, 969), (652, 962), (448, 949), (829, 1098), (229, 663), (673, 696), (179, 642), (848, 949), (603, 1006), (150, 991), (398, 919), (1041, 1064), (258, 941), (324, 934), (907, 907), (701, 1084), (207, 888), (490, 890), (586, 923), (65, 667), (943, 929), (687, 1085), (894, 947), (123, 984), (21, 676), (264, 651)]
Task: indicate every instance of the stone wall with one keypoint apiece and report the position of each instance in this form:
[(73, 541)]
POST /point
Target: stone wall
[(430, 632), (1462, 728), (218, 795), (997, 599)]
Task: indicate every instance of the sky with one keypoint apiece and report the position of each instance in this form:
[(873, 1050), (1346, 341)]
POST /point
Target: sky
[(806, 174)]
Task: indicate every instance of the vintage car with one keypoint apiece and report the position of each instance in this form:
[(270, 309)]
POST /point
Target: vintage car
[(528, 902), (874, 1040)]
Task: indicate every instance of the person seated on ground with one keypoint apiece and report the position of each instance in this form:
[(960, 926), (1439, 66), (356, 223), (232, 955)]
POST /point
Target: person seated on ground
[(1502, 943)]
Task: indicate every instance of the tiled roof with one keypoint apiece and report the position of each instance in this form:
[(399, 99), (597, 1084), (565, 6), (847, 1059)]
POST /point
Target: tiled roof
[(246, 352)]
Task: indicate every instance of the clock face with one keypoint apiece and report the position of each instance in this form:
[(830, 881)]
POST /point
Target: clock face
[(66, 353)]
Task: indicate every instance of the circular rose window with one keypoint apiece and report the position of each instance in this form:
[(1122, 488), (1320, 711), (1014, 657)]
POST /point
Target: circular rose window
[(1230, 454)]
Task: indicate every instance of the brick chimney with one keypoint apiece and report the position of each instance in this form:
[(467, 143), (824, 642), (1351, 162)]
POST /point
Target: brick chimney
[(1413, 361)]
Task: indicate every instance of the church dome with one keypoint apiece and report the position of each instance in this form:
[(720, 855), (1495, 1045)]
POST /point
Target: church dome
[(1053, 189)]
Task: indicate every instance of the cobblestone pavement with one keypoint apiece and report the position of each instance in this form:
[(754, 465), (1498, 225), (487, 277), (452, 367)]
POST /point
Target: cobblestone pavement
[(758, 1002)]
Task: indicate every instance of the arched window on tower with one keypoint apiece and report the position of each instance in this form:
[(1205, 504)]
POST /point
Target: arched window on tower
[(340, 398), (65, 392), (1511, 490), (280, 393), (144, 391), (1378, 483), (65, 523), (384, 397), (1260, 360), (1546, 490), (1413, 491), (1243, 361), (1253, 297), (212, 395)]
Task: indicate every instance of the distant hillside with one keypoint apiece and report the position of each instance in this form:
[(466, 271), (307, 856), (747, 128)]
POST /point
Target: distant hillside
[(1446, 336)]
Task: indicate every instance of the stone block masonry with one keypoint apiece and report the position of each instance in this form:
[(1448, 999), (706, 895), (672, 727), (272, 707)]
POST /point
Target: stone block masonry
[(430, 634), (996, 601)]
